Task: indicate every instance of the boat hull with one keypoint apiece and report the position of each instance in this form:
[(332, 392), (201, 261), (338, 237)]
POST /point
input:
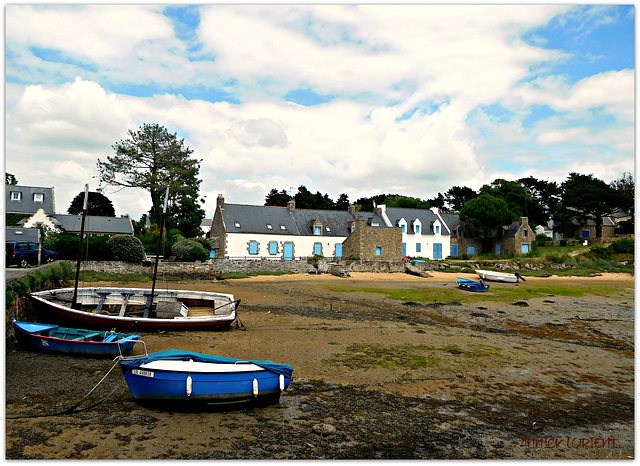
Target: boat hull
[(46, 302), (121, 344), (470, 285), (187, 381), (497, 276)]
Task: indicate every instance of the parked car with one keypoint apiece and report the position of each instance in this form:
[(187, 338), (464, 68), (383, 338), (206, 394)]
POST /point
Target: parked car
[(23, 253)]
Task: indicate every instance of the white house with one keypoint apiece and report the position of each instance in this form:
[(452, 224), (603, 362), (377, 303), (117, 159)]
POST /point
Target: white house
[(282, 233), (424, 232)]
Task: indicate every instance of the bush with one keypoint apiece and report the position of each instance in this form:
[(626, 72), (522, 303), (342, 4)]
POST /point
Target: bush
[(189, 251), (125, 248), (196, 253), (622, 246)]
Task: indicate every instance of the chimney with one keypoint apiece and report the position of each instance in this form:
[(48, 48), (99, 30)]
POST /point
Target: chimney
[(220, 201), (352, 210), (292, 205)]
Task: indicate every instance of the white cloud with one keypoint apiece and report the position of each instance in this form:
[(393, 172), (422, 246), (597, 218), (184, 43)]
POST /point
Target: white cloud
[(405, 80)]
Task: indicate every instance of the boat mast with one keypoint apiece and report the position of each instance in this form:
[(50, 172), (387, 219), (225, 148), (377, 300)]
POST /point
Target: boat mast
[(74, 302), (155, 269)]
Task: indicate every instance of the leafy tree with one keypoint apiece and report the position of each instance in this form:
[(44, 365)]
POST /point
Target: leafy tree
[(624, 188), (547, 196), (519, 201), (585, 197), (366, 203), (458, 196), (97, 204), (343, 202), (485, 213), (277, 198), (152, 159), (439, 202), (10, 179), (406, 202), (186, 216)]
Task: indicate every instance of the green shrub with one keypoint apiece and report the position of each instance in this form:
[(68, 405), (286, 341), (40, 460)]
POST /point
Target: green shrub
[(622, 246), (204, 242), (125, 248), (189, 251), (196, 253)]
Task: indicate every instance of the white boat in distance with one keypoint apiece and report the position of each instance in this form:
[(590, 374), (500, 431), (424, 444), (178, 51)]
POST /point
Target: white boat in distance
[(500, 276)]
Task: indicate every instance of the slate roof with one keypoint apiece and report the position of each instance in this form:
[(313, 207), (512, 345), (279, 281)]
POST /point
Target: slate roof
[(23, 234), (453, 221), (426, 217), (94, 224), (26, 205), (255, 219)]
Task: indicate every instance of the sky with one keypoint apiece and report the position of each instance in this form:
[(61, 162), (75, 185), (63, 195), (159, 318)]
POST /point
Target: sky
[(356, 99)]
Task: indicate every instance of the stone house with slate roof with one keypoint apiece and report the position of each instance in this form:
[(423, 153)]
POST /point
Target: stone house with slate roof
[(284, 233)]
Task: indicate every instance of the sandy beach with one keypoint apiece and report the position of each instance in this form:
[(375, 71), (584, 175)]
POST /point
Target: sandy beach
[(392, 377)]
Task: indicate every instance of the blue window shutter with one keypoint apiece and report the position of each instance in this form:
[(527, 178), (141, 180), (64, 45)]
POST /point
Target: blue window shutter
[(338, 250), (404, 249), (253, 247), (378, 251), (273, 248), (418, 247), (402, 228), (417, 229), (317, 249), (454, 250), (472, 249)]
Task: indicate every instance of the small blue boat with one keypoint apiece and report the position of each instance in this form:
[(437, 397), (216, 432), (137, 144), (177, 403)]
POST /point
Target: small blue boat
[(53, 338), (471, 285), (184, 376)]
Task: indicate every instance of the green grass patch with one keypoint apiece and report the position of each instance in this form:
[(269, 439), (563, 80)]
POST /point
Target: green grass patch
[(236, 275), (360, 355), (497, 292), (93, 276)]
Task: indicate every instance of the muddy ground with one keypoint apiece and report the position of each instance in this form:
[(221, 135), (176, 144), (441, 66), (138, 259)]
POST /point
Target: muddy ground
[(374, 378)]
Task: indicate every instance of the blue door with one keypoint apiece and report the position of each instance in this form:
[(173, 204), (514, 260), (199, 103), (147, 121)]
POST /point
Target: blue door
[(339, 251), (404, 249), (454, 250), (437, 250), (525, 249), (497, 249), (288, 251)]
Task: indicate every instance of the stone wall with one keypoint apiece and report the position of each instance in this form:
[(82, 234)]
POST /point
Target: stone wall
[(364, 240), (219, 266)]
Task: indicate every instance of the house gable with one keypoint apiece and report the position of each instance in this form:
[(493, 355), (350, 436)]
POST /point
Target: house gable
[(28, 199)]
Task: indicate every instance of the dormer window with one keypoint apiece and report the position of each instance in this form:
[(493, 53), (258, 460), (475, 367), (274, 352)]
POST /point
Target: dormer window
[(317, 230), (437, 229), (16, 196), (417, 228), (38, 197)]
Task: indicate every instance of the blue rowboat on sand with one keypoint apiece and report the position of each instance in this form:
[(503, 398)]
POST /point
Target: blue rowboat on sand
[(56, 339), (470, 285), (184, 376)]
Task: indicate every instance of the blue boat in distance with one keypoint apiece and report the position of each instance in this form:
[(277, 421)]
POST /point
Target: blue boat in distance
[(186, 377), (470, 285), (55, 339)]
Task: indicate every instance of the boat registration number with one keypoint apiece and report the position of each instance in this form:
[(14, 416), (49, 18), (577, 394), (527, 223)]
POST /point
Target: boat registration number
[(142, 373)]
